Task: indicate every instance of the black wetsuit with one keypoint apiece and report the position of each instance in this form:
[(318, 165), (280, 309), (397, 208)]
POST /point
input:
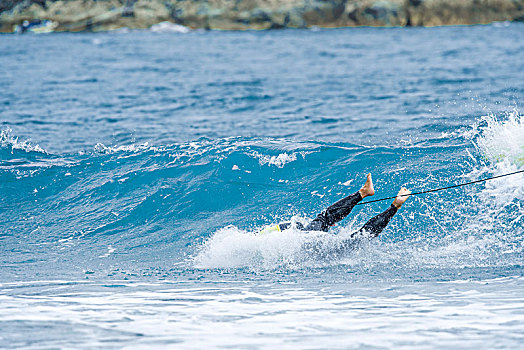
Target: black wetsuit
[(339, 211)]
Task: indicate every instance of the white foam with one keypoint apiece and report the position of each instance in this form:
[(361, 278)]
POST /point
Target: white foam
[(489, 223), (101, 148), (251, 314), (110, 250), (278, 161), (8, 140), (231, 247), (501, 143), (500, 139), (168, 27)]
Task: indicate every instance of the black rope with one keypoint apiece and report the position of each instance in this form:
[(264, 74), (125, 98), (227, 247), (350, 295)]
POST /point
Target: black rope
[(444, 188)]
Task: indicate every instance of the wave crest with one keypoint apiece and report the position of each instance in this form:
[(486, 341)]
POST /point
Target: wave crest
[(7, 140), (501, 139)]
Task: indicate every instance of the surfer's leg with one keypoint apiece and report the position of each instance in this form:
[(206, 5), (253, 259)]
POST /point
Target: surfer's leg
[(376, 224), (340, 209)]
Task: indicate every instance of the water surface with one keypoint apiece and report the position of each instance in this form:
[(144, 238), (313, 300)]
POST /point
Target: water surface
[(136, 168)]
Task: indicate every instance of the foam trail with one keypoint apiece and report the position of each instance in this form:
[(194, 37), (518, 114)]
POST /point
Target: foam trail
[(231, 247)]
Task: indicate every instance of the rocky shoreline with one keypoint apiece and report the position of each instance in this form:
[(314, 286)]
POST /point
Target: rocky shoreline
[(104, 15)]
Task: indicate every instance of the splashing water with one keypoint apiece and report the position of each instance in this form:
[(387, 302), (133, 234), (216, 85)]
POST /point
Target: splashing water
[(7, 140), (501, 140), (484, 228)]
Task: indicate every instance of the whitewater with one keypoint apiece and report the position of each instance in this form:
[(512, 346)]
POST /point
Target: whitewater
[(137, 168)]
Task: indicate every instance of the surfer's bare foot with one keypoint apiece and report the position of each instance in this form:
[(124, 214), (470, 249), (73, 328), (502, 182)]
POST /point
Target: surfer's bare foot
[(367, 189), (402, 196)]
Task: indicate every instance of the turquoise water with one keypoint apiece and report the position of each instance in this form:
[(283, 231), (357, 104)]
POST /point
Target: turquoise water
[(136, 168)]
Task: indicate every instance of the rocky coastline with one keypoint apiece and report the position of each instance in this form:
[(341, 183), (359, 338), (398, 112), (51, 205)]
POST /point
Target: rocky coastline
[(105, 15)]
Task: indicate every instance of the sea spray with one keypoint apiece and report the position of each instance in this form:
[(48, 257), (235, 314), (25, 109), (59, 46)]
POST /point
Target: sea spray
[(481, 228), (500, 138)]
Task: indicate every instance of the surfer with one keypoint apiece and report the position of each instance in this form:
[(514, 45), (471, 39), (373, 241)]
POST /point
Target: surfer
[(343, 207)]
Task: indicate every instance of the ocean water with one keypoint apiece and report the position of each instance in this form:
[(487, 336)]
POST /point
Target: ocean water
[(137, 167)]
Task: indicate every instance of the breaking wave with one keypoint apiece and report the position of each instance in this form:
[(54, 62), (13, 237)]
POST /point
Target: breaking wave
[(202, 203)]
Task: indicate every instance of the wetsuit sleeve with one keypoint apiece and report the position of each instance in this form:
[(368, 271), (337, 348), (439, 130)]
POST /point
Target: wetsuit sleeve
[(334, 213), (284, 226), (376, 224)]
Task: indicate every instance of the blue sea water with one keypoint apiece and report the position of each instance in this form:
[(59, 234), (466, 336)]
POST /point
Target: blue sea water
[(136, 169)]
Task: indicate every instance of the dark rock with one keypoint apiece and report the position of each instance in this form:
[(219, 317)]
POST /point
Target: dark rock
[(100, 15), (415, 3)]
